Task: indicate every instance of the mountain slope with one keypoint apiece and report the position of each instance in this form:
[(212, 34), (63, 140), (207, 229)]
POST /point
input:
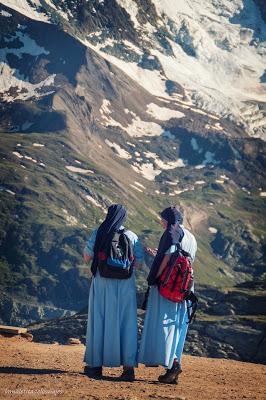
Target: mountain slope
[(215, 51), (89, 118)]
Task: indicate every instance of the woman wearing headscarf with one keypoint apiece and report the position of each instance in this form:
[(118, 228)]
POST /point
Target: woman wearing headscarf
[(111, 339), (165, 325)]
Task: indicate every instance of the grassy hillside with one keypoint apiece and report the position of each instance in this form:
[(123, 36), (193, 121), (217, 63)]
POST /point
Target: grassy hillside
[(46, 218)]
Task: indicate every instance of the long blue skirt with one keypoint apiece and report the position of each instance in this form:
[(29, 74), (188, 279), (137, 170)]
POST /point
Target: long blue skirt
[(164, 331), (112, 331)]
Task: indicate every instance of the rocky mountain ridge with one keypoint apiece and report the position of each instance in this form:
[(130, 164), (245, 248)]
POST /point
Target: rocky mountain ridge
[(229, 324), (214, 55)]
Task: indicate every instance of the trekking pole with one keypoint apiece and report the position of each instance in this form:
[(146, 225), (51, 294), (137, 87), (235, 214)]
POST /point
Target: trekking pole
[(145, 301)]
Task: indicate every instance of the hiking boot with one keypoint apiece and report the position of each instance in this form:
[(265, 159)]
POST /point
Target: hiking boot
[(171, 375), (128, 375), (93, 372)]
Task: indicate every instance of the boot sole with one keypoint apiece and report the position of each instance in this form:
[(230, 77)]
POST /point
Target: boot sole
[(173, 382)]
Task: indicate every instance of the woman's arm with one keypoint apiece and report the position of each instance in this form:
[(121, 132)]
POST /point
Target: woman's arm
[(86, 257), (163, 264)]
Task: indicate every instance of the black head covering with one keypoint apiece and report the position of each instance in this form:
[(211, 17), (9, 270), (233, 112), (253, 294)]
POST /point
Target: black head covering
[(172, 216), (172, 235), (115, 218)]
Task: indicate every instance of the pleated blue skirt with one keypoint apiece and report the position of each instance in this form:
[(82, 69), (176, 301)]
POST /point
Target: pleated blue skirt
[(164, 331), (111, 339)]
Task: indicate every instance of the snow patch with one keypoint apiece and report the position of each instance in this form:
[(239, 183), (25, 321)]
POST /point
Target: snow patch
[(17, 154), (95, 202), (133, 47), (147, 170), (136, 188), (38, 145), (70, 219), (246, 190), (3, 189), (163, 113), (182, 190), (152, 81), (131, 8), (10, 192), (31, 159), (122, 153), (200, 166), (218, 127), (29, 10), (149, 154), (170, 164), (139, 184), (139, 128), (179, 163), (105, 107), (131, 144), (11, 77), (217, 56), (172, 183), (79, 170), (224, 177), (5, 14), (24, 89), (28, 158), (200, 182)]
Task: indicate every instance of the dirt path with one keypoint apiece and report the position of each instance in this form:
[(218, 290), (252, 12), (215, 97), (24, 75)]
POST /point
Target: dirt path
[(197, 220), (41, 371)]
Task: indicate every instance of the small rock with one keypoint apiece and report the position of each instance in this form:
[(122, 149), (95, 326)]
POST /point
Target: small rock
[(27, 336), (73, 341)]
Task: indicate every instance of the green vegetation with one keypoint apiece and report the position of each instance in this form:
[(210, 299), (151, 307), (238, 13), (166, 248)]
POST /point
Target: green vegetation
[(44, 226)]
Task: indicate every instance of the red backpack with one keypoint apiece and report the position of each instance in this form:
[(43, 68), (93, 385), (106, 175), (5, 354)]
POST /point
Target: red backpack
[(176, 281)]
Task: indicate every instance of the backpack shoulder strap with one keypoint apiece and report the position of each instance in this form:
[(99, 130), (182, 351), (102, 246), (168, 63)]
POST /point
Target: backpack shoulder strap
[(128, 246)]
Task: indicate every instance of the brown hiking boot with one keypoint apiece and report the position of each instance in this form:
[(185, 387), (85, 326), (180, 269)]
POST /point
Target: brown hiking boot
[(171, 375)]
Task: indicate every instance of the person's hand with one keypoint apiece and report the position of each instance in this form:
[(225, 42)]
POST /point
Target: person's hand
[(150, 251), (86, 258)]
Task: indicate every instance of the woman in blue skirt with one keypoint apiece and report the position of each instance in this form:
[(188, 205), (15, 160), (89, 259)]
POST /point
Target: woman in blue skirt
[(111, 339), (165, 325)]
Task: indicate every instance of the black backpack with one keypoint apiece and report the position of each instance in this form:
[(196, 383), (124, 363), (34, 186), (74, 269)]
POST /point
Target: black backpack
[(115, 260)]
